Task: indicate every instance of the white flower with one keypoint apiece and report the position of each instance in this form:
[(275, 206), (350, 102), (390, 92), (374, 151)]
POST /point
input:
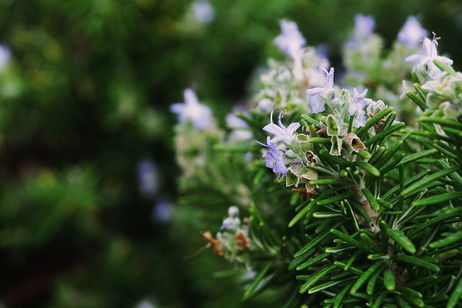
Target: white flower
[(291, 40), (192, 111), (423, 59), (412, 32), (233, 211)]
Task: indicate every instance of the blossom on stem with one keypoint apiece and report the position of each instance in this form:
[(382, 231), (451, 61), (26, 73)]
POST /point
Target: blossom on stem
[(192, 111), (274, 157), (423, 59), (315, 101), (412, 33), (280, 132), (290, 41), (357, 105)]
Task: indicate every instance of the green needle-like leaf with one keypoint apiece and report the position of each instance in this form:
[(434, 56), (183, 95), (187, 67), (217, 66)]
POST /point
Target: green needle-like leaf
[(457, 236), (315, 278), (365, 276), (371, 199), (400, 238), (312, 261), (311, 244), (442, 122), (369, 168), (374, 120), (389, 279), (454, 299), (251, 289), (410, 158), (384, 133), (444, 67), (422, 183), (418, 100), (437, 198), (335, 198), (378, 302), (417, 261), (372, 282), (302, 213), (339, 298)]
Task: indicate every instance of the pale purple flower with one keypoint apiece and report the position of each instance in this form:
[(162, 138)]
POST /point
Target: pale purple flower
[(5, 55), (314, 99), (203, 11), (192, 111), (290, 41), (364, 26), (358, 102), (274, 157), (425, 56), (280, 132), (232, 120), (147, 177), (412, 33), (163, 210)]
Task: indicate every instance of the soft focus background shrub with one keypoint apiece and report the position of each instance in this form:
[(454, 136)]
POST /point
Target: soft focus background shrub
[(88, 176)]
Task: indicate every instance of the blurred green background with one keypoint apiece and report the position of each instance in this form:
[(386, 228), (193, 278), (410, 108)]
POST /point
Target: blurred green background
[(88, 180)]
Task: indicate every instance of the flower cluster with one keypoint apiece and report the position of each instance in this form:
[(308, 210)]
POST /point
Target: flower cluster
[(283, 83), (232, 240), (438, 84), (339, 112), (369, 65), (191, 111), (196, 128)]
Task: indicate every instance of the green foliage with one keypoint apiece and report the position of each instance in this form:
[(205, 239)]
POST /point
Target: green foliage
[(377, 222)]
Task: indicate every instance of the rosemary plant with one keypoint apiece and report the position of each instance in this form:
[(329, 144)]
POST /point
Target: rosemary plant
[(365, 211)]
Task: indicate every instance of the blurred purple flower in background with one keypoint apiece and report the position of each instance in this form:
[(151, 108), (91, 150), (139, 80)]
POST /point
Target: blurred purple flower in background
[(147, 178), (5, 55), (364, 26), (233, 121), (412, 32), (192, 111), (290, 41), (314, 99), (203, 11), (162, 211), (240, 128)]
